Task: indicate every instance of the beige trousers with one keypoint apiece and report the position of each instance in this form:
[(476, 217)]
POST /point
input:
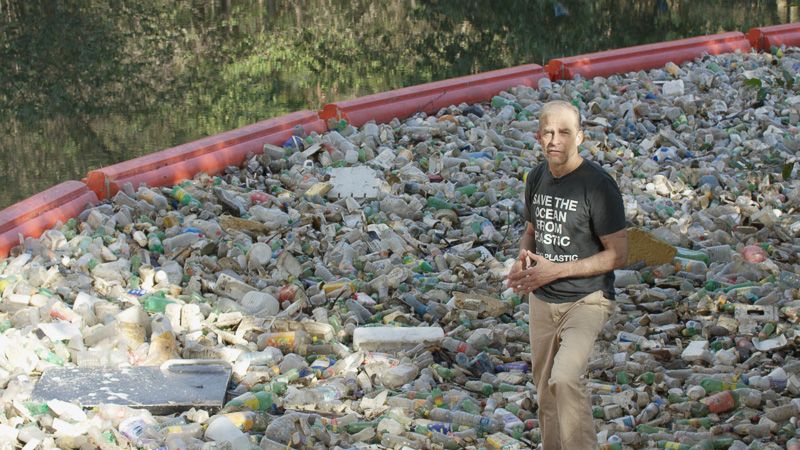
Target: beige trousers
[(562, 339)]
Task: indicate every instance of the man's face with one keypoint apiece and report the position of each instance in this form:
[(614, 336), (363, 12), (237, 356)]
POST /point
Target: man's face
[(559, 136)]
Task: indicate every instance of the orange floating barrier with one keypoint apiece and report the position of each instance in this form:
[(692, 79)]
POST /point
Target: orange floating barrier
[(211, 154), (764, 38), (431, 97), (36, 214), (645, 57)]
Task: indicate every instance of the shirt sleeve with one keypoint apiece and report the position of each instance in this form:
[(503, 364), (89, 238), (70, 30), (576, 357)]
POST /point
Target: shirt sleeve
[(528, 196), (607, 207)]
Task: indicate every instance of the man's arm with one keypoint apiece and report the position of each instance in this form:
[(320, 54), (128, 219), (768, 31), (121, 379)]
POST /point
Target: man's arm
[(543, 271), (614, 256)]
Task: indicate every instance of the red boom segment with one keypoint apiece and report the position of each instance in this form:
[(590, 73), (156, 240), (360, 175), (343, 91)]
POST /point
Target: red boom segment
[(764, 38), (32, 216), (431, 97), (645, 57), (211, 154)]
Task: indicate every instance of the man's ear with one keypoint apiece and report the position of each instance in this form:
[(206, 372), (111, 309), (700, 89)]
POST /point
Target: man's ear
[(579, 137)]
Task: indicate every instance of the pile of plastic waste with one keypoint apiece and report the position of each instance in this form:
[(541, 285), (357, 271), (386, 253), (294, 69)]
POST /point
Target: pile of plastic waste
[(352, 281)]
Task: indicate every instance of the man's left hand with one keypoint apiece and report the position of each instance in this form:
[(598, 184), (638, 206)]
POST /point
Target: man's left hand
[(540, 272)]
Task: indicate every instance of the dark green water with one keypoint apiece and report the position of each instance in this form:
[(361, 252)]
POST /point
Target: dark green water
[(89, 83)]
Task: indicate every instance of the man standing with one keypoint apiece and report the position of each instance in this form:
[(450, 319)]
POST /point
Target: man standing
[(575, 238)]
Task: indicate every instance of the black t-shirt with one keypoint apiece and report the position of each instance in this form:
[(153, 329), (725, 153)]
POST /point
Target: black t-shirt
[(569, 215)]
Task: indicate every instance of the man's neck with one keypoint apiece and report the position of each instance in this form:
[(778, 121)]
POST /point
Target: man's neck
[(564, 169)]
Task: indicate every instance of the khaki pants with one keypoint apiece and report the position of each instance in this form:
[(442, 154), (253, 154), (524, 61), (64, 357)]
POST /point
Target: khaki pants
[(562, 339)]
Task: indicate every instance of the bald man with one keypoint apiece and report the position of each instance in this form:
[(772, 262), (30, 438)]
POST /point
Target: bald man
[(575, 238)]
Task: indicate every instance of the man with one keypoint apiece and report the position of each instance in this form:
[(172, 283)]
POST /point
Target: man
[(574, 240)]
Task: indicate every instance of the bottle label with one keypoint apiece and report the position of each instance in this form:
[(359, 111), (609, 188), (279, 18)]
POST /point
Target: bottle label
[(720, 402), (484, 423), (330, 393), (462, 347), (284, 341), (626, 423), (241, 420), (61, 311)]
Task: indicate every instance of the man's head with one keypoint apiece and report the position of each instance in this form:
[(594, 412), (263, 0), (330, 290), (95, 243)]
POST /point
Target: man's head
[(560, 135)]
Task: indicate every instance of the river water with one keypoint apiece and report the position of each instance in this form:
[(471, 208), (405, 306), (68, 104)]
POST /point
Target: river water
[(89, 83)]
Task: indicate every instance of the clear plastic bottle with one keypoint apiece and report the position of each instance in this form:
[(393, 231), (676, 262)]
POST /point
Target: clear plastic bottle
[(153, 197), (512, 425), (282, 428), (397, 376), (117, 413), (268, 357), (162, 342), (139, 432), (490, 425), (324, 395), (194, 430), (286, 340), (222, 430), (176, 441)]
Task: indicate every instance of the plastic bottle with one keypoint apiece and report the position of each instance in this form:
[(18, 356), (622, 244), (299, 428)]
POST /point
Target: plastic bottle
[(490, 425), (268, 357), (397, 376), (183, 197), (458, 346), (117, 413), (221, 430), (194, 430), (139, 432), (509, 367), (260, 303), (259, 401), (154, 198), (722, 401), (512, 425), (176, 441), (690, 265), (712, 385), (154, 243), (324, 395), (285, 341)]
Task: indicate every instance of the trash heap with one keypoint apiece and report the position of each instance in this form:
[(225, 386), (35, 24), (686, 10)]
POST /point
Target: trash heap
[(353, 282)]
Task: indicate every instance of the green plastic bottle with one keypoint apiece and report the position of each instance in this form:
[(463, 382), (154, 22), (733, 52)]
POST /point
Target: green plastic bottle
[(443, 372), (277, 387), (704, 444), (468, 189), (355, 427), (712, 385), (499, 102), (154, 243), (672, 445), (156, 303), (649, 429), (703, 422), (692, 254), (438, 203), (258, 401), (646, 378)]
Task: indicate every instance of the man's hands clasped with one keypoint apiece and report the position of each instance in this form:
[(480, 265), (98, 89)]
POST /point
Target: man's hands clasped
[(530, 272)]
